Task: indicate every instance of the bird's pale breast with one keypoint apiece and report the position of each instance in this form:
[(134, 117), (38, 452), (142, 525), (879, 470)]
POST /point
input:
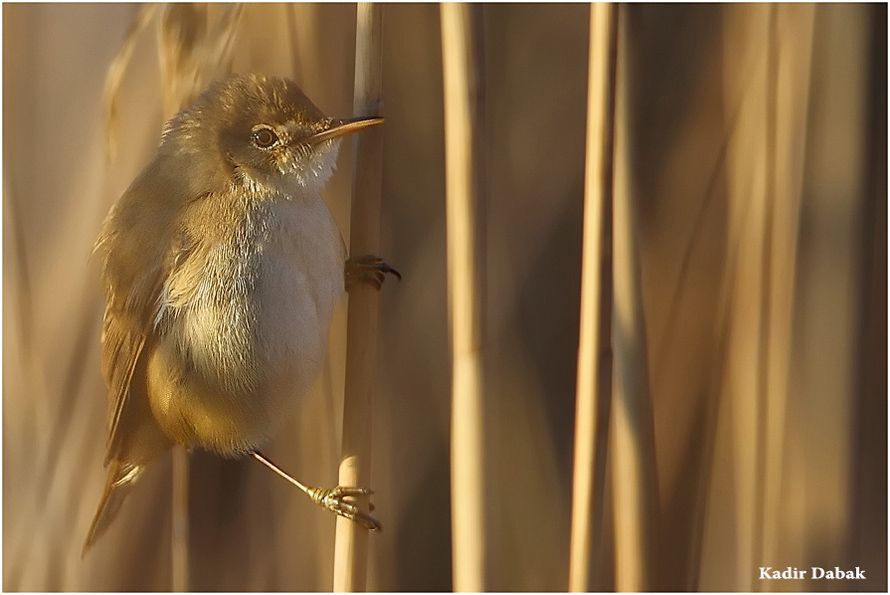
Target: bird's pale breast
[(243, 330)]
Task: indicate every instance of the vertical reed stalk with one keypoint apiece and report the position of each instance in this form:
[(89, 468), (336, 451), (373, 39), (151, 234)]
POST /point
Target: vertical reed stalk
[(635, 486), (180, 521), (790, 79), (351, 546), (749, 49), (594, 351), (767, 257), (462, 66)]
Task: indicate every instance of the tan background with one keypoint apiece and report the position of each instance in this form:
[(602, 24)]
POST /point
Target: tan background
[(767, 359)]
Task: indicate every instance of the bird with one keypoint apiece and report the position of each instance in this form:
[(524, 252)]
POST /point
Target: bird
[(221, 266)]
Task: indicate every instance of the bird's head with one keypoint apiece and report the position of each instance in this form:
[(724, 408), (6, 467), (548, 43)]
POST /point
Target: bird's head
[(264, 133)]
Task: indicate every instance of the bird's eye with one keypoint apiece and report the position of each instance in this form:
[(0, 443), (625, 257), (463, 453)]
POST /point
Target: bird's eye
[(264, 137)]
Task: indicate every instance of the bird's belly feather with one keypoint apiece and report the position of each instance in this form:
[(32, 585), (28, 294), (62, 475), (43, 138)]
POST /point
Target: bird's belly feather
[(235, 359)]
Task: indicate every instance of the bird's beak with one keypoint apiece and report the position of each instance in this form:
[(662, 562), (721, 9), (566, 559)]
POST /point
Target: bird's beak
[(347, 126)]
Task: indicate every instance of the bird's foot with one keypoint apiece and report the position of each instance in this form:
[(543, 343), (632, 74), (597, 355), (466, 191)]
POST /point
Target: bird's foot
[(368, 269), (342, 501)]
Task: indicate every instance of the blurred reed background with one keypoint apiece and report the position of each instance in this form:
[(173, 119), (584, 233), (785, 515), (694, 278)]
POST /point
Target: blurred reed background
[(750, 158)]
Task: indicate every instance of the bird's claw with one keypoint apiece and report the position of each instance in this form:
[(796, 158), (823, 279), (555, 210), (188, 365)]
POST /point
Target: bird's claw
[(341, 500), (368, 269)]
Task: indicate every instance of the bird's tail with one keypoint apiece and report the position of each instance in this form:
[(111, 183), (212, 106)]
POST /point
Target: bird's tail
[(120, 476)]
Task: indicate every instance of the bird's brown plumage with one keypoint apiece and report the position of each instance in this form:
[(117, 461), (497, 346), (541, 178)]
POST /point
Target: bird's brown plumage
[(221, 266), (133, 273)]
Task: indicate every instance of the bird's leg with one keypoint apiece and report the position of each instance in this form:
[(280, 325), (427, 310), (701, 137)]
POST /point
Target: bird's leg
[(339, 500), (368, 269)]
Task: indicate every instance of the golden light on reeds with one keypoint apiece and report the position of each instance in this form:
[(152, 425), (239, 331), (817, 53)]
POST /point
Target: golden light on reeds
[(595, 345), (179, 523), (749, 323), (632, 449), (790, 69), (351, 545), (462, 63)]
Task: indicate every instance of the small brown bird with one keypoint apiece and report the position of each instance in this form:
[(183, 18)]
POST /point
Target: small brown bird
[(221, 267)]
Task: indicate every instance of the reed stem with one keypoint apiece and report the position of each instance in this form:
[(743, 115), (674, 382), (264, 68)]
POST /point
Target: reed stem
[(462, 65), (180, 520), (632, 454), (594, 351), (351, 545)]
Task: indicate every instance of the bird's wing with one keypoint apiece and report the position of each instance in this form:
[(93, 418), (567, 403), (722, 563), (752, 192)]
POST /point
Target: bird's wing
[(123, 343), (139, 246)]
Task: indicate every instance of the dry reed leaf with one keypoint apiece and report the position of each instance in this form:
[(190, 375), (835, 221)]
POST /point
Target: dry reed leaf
[(195, 43), (116, 73), (180, 37), (194, 48)]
